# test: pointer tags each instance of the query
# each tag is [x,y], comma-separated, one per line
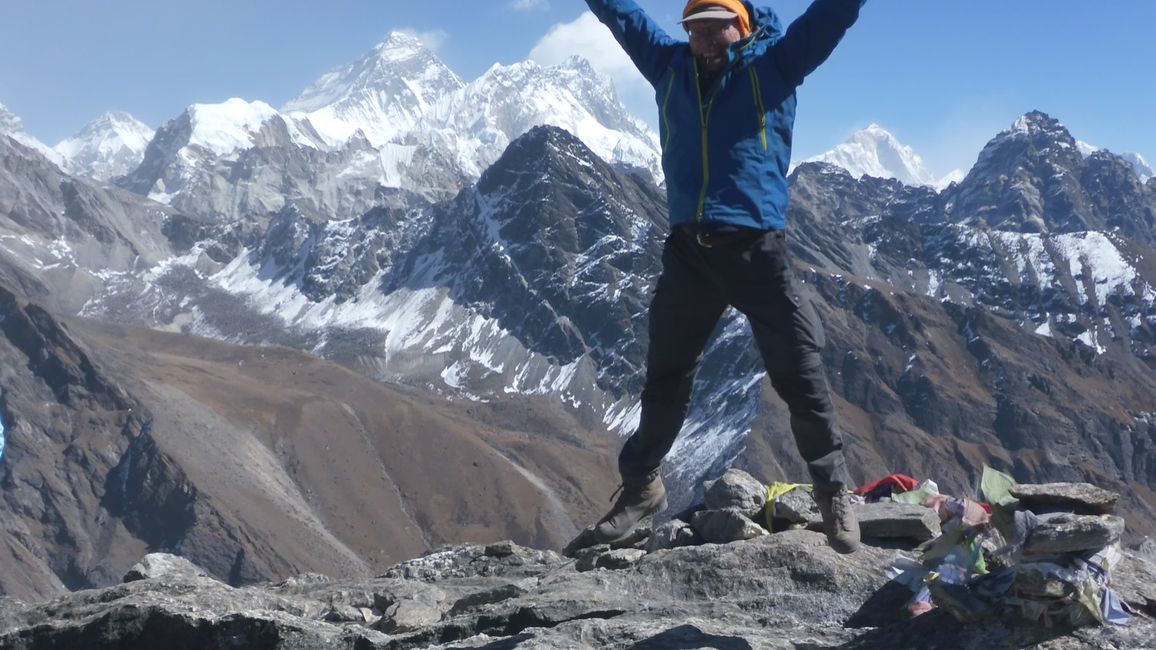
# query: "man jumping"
[726,103]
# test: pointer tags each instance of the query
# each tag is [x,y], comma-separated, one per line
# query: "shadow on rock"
[688,637]
[509,643]
[884,607]
[937,630]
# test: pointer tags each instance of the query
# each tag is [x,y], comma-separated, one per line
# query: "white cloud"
[526,5]
[590,39]
[432,39]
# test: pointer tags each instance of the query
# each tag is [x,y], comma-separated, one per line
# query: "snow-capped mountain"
[534,283]
[507,101]
[230,159]
[12,126]
[111,145]
[383,95]
[226,129]
[1143,169]
[1010,316]
[1032,177]
[401,94]
[396,120]
[874,151]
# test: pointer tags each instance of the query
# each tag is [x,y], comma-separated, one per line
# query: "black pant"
[753,274]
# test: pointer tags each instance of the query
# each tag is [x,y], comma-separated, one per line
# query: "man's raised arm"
[812,37]
[645,43]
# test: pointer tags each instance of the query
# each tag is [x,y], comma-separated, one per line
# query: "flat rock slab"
[1066,533]
[1083,498]
[897,521]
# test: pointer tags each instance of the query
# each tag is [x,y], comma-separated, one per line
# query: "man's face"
[710,38]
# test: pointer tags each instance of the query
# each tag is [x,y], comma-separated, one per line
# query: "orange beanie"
[734,5]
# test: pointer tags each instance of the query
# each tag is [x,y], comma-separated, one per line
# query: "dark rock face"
[85,484]
[1023,180]
[789,587]
[68,425]
[554,245]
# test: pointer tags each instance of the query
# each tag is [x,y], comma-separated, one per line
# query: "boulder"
[725,526]
[619,558]
[1146,549]
[797,507]
[164,565]
[672,534]
[736,490]
[586,559]
[406,607]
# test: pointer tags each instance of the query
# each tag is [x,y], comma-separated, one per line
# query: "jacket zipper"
[758,92]
[704,117]
[665,101]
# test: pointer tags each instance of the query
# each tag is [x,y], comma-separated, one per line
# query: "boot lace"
[839,508]
[617,492]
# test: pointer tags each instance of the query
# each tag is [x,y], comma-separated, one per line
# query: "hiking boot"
[839,520]
[638,498]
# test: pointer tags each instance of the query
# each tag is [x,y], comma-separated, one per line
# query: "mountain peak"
[384,93]
[579,63]
[1035,122]
[228,126]
[12,126]
[875,151]
[509,100]
[111,145]
[1035,134]
[1139,165]
[112,122]
[1041,128]
[541,146]
[10,122]
[400,46]
[116,118]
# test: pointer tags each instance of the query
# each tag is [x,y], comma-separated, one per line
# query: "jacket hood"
[767,30]
[766,20]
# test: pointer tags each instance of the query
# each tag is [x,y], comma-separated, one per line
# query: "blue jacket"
[725,152]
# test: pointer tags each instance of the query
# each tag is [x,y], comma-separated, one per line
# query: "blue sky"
[942,75]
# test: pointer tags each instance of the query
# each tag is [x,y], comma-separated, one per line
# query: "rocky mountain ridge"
[978,325]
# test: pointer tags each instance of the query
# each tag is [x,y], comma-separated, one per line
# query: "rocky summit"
[786,590]
[742,570]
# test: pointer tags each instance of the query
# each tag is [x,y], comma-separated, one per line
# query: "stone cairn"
[1038,554]
[735,508]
